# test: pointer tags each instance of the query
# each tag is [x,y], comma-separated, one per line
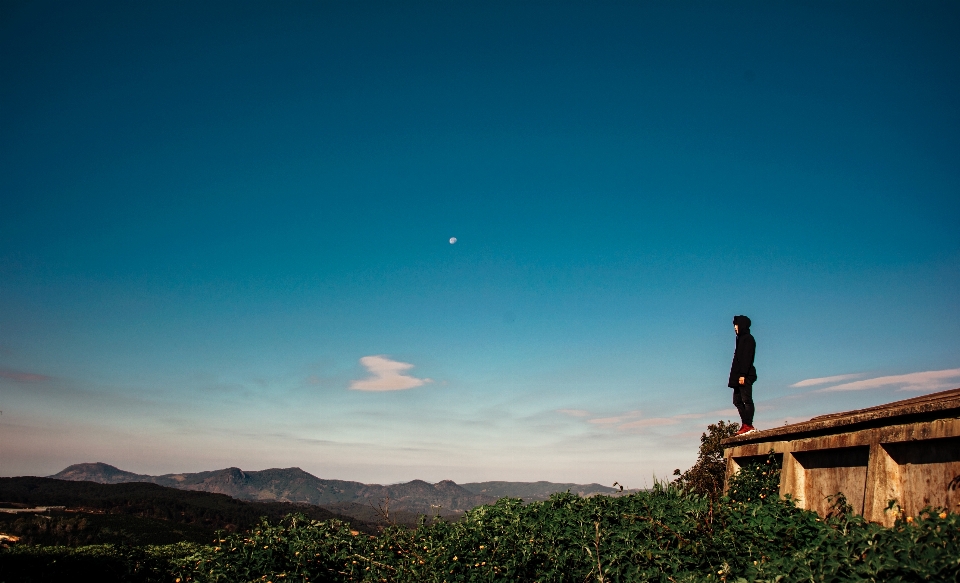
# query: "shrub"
[707,474]
[103,563]
[668,534]
[756,481]
[671,533]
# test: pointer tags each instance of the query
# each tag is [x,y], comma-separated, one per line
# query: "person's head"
[741,324]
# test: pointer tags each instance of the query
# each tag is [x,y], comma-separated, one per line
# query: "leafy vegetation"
[89,528]
[101,563]
[664,535]
[672,533]
[668,534]
[757,481]
[706,476]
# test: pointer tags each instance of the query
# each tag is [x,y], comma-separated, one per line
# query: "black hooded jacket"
[743,356]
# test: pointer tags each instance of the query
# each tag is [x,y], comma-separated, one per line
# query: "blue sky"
[225,230]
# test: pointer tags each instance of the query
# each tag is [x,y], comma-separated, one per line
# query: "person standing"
[743,374]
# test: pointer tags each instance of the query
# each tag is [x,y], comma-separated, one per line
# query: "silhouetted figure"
[743,374]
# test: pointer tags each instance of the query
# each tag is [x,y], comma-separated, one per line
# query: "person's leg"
[738,403]
[746,397]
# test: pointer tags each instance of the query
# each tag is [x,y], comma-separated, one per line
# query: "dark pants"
[743,400]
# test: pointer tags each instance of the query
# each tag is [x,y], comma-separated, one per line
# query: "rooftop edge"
[935,405]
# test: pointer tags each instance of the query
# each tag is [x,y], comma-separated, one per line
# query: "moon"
[453,240]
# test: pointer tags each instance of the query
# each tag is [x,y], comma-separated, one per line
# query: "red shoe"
[746,429]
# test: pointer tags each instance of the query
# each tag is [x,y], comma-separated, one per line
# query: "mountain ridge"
[298,486]
[293,485]
[85,512]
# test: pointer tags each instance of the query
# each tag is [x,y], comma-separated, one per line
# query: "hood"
[742,322]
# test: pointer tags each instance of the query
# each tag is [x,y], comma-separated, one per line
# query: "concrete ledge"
[907,451]
[928,407]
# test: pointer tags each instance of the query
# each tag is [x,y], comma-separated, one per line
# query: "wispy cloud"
[635,422]
[931,380]
[22,377]
[386,375]
[715,413]
[826,380]
[617,420]
[574,412]
[649,422]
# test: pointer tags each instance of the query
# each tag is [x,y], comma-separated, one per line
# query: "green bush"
[707,474]
[669,534]
[102,563]
[756,481]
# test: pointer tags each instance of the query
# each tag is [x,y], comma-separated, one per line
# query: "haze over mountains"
[352,498]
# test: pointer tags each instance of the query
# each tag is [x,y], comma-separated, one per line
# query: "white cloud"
[931,380]
[386,375]
[825,380]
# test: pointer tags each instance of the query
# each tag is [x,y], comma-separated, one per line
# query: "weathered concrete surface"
[908,451]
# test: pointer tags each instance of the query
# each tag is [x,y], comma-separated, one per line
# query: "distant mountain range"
[351,498]
[133,513]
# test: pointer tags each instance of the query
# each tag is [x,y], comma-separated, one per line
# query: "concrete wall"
[917,464]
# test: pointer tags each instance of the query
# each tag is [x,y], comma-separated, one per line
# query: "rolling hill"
[134,512]
[296,486]
[355,499]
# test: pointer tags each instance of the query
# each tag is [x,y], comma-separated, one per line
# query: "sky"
[226,230]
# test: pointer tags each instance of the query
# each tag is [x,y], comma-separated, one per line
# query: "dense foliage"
[669,534]
[101,563]
[707,474]
[757,481]
[664,535]
[90,528]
